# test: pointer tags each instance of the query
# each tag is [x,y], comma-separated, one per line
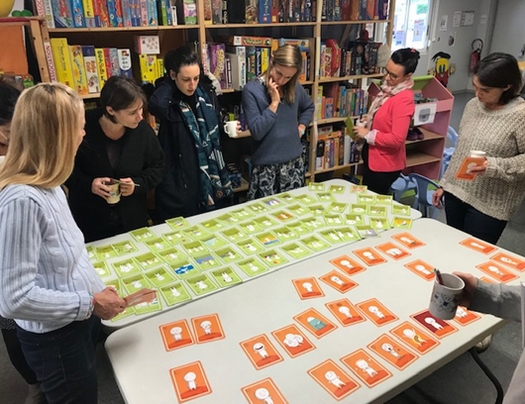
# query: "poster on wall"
[400,38]
[419,28]
[457,19]
[467,18]
[443,23]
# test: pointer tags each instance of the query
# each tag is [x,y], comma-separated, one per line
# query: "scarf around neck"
[385,93]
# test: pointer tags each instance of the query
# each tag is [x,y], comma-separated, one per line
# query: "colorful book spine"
[159,71]
[143,13]
[275,11]
[89,13]
[118,13]
[62,60]
[101,67]
[237,55]
[48,51]
[62,14]
[265,11]
[217,56]
[107,61]
[153,17]
[78,13]
[148,68]
[265,59]
[90,66]
[79,71]
[216,11]
[124,62]
[113,60]
[126,13]
[190,12]
[103,16]
[250,63]
[114,19]
[96,12]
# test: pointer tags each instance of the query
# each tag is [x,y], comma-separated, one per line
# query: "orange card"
[338,281]
[345,312]
[408,240]
[497,271]
[414,337]
[176,335]
[315,323]
[463,172]
[392,250]
[358,189]
[369,256]
[347,265]
[375,311]
[464,316]
[422,269]
[307,288]
[333,379]
[263,391]
[366,368]
[486,279]
[260,351]
[510,261]
[207,328]
[392,351]
[190,381]
[440,328]
[293,340]
[478,245]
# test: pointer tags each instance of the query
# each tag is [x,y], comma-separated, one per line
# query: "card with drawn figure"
[370,371]
[307,288]
[369,256]
[392,250]
[401,222]
[293,340]
[497,271]
[273,258]
[207,328]
[260,351]
[392,351]
[262,392]
[345,312]
[333,379]
[337,189]
[190,381]
[408,240]
[478,245]
[464,316]
[347,265]
[422,269]
[509,260]
[377,312]
[439,328]
[176,335]
[338,281]
[358,189]
[315,323]
[414,337]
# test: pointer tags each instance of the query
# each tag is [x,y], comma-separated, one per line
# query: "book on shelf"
[78,69]
[90,65]
[62,61]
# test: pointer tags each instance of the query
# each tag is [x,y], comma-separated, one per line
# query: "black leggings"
[17,356]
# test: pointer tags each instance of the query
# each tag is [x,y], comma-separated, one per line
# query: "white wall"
[509,27]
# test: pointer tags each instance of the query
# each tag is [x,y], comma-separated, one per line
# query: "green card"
[252,266]
[283,216]
[316,210]
[365,230]
[333,219]
[266,222]
[315,243]
[243,213]
[298,227]
[268,239]
[201,284]
[313,223]
[353,219]
[400,210]
[158,244]
[379,223]
[229,219]
[228,254]
[212,225]
[212,242]
[337,189]
[124,247]
[135,283]
[143,308]
[142,235]
[274,202]
[250,246]
[234,234]
[384,199]
[337,207]
[148,261]
[306,199]
[401,222]
[178,223]
[207,261]
[257,208]
[126,267]
[347,233]
[250,227]
[176,237]
[332,236]
[92,253]
[316,186]
[296,250]
[298,210]
[128,311]
[185,269]
[159,277]
[273,258]
[357,208]
[102,269]
[196,232]
[366,199]
[226,277]
[325,197]
[105,252]
[285,233]
[174,293]
[172,256]
[194,248]
[377,210]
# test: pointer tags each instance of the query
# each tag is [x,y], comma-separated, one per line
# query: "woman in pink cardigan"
[386,126]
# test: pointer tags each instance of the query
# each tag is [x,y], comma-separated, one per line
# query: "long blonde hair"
[44,137]
[288,56]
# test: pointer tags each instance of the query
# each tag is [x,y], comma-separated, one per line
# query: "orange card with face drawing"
[375,311]
[393,251]
[207,328]
[293,340]
[497,271]
[509,260]
[333,379]
[408,240]
[464,316]
[436,326]
[478,245]
[176,335]
[315,323]
[345,312]
[369,256]
[422,269]
[347,265]
[338,281]
[392,351]
[190,381]
[414,337]
[263,391]
[307,288]
[261,351]
[366,368]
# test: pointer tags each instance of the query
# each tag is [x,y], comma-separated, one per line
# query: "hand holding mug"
[99,187]
[127,186]
[471,283]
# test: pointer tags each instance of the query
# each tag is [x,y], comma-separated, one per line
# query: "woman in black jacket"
[119,145]
[195,179]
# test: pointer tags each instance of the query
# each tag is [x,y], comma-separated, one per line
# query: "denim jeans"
[64,361]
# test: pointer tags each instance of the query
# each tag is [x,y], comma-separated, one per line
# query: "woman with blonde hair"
[277,111]
[47,283]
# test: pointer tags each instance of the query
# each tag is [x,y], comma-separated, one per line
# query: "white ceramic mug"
[444,300]
[230,128]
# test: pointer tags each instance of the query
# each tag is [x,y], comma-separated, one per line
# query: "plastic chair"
[400,186]
[424,191]
[452,138]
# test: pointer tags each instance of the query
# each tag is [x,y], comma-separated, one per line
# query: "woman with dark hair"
[196,179]
[383,132]
[493,122]
[119,145]
[277,111]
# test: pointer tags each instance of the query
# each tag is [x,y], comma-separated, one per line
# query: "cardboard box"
[147,44]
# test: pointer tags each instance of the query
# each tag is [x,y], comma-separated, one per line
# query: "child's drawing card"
[226,277]
[201,284]
[465,316]
[478,245]
[366,231]
[366,368]
[392,250]
[176,335]
[298,210]
[414,337]
[337,189]
[392,351]
[273,258]
[337,207]
[358,208]
[439,328]
[366,199]
[408,240]
[315,322]
[250,246]
[174,294]
[333,379]
[229,254]
[274,202]
[252,266]
[379,223]
[307,288]
[509,260]
[358,189]
[338,281]
[296,251]
[377,210]
[401,222]
[347,265]
[268,239]
[316,187]
[263,391]
[325,197]
[345,312]
[293,340]
[207,328]
[497,271]
[260,351]
[190,381]
[354,219]
[369,256]
[422,269]
[333,219]
[313,222]
[306,199]
[400,210]
[315,243]
[376,312]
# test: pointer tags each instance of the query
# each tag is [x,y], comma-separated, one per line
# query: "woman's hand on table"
[107,304]
[471,283]
[99,187]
